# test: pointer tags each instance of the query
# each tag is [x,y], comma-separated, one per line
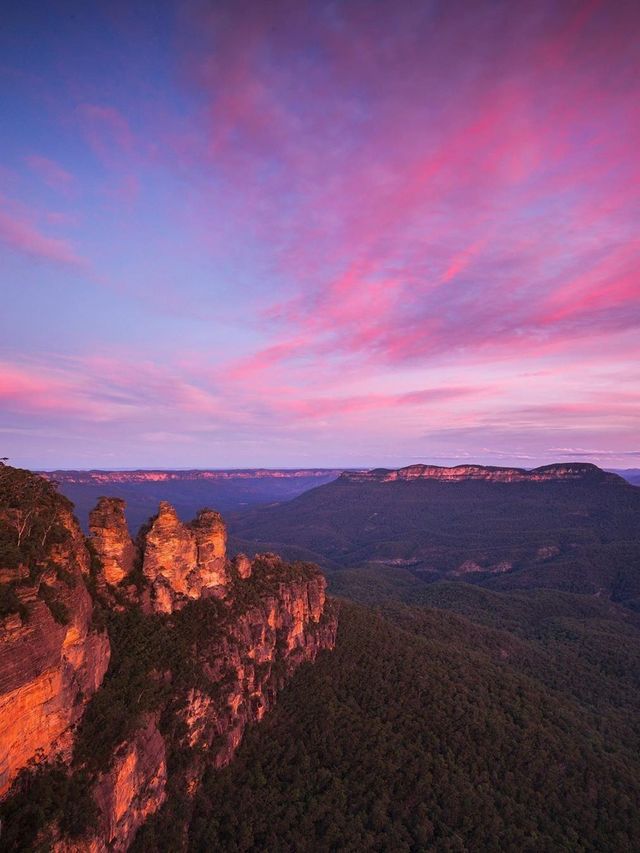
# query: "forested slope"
[579,535]
[425,731]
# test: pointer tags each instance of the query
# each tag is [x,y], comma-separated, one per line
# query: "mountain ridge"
[491,473]
[569,526]
[144,475]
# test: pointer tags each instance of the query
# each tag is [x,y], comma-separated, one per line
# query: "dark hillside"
[423,731]
[580,535]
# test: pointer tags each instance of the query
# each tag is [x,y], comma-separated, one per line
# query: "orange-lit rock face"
[243,566]
[272,619]
[260,650]
[111,539]
[211,542]
[182,561]
[48,671]
[243,669]
[133,788]
[170,559]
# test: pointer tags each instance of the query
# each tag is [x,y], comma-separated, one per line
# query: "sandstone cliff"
[52,656]
[199,647]
[221,664]
[111,540]
[183,561]
[489,473]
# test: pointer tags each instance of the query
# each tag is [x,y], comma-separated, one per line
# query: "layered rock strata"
[546,473]
[52,657]
[111,540]
[183,561]
[251,624]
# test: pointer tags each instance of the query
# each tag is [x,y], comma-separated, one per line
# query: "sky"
[348,233]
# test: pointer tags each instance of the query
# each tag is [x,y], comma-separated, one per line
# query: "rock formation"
[240,661]
[242,565]
[111,540]
[52,658]
[231,633]
[132,788]
[211,544]
[183,561]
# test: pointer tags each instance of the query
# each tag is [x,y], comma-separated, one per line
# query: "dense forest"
[452,716]
[580,536]
[423,730]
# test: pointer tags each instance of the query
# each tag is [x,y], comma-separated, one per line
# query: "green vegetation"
[426,738]
[29,523]
[58,609]
[29,527]
[152,659]
[10,602]
[42,797]
[580,536]
[499,714]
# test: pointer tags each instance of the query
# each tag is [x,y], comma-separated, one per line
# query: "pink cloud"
[23,236]
[479,186]
[52,173]
[107,131]
[32,391]
[323,407]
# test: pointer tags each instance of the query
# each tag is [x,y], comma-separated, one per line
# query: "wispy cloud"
[22,235]
[401,226]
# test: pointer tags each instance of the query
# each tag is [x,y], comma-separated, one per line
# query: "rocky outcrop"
[183,561]
[211,546]
[52,658]
[247,647]
[242,566]
[111,540]
[472,567]
[544,474]
[225,636]
[251,661]
[132,789]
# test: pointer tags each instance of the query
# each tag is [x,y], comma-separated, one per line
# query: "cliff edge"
[127,666]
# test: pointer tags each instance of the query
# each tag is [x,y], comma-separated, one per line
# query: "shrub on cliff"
[29,518]
[40,798]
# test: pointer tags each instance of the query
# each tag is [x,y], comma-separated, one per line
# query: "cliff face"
[183,561]
[241,651]
[111,539]
[52,658]
[546,473]
[108,477]
[180,562]
[133,788]
[200,646]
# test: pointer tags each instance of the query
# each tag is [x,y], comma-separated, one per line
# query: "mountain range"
[482,691]
[568,526]
[186,490]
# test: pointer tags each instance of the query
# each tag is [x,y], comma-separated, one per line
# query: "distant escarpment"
[187,491]
[568,526]
[546,473]
[145,476]
[127,666]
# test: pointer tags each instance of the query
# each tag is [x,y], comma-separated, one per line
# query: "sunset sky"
[319,233]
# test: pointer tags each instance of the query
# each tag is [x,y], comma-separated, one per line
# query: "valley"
[471,682]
